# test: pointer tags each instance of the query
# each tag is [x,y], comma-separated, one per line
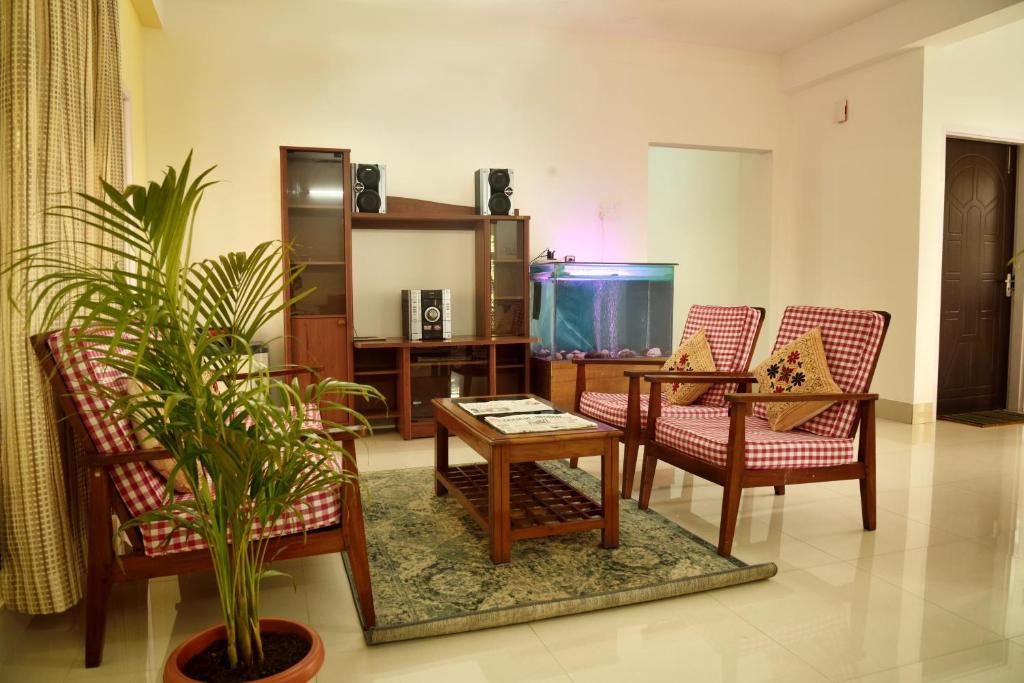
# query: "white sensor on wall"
[842,110]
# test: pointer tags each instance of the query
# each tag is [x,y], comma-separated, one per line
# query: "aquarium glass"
[601,310]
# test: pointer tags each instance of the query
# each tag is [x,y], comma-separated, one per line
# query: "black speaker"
[494,191]
[368,188]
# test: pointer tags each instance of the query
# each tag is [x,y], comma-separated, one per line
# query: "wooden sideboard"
[316,218]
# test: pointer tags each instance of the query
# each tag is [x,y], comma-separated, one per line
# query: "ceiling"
[760,25]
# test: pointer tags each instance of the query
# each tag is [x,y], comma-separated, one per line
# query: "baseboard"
[910,413]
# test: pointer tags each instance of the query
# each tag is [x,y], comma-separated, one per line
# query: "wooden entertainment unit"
[316,217]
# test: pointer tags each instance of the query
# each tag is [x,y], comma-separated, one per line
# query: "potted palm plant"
[247,446]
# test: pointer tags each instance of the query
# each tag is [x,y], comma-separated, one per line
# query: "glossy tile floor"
[936,593]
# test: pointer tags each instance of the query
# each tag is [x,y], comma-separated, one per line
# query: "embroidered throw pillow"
[693,355]
[148,441]
[797,368]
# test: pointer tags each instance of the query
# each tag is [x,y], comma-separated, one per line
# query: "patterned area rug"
[432,575]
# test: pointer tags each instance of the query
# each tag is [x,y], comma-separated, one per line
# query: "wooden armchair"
[120,482]
[732,333]
[742,451]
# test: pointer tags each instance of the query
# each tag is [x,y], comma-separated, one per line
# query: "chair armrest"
[696,377]
[281,372]
[636,360]
[797,398]
[142,455]
[581,371]
[351,433]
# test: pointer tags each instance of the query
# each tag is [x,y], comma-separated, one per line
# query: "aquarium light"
[583,270]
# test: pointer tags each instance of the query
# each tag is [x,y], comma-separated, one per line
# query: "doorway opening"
[710,211]
[979,225]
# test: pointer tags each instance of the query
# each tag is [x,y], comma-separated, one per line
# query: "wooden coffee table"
[512,497]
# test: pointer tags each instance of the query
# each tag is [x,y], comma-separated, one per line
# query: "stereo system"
[494,191]
[368,188]
[427,314]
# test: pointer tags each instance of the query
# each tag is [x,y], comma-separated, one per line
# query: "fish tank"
[601,310]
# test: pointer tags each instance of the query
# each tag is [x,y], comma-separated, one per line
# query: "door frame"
[1015,363]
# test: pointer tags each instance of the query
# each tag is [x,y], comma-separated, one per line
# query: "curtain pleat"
[60,130]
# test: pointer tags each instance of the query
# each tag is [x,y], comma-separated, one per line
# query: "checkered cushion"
[731,332]
[611,408]
[138,484]
[765,449]
[852,340]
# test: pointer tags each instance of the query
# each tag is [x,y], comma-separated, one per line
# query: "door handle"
[1009,284]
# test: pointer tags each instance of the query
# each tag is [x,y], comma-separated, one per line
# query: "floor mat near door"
[986,418]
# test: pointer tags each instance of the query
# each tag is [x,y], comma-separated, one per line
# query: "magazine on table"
[533,422]
[505,407]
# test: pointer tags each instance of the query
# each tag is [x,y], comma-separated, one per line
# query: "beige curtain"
[60,130]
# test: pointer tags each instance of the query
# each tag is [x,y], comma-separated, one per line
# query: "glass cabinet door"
[315,198]
[443,372]
[507,285]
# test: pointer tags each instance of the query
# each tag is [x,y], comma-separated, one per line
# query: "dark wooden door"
[974,334]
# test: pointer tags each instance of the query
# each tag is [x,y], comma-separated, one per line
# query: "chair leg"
[100,560]
[867,503]
[97,599]
[867,457]
[730,513]
[780,490]
[629,465]
[574,462]
[358,559]
[647,479]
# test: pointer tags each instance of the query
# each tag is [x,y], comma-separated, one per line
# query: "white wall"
[849,234]
[436,96]
[862,220]
[904,25]
[132,80]
[413,259]
[972,88]
[710,212]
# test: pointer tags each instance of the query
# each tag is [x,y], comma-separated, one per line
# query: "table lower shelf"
[540,504]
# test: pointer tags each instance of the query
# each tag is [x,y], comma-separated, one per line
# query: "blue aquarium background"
[601,310]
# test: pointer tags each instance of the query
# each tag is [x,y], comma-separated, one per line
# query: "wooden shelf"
[375,373]
[296,262]
[382,415]
[339,316]
[517,297]
[510,366]
[316,207]
[370,220]
[399,343]
[447,361]
[513,261]
[417,214]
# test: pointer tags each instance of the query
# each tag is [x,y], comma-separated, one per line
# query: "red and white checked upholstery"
[765,449]
[611,408]
[138,484]
[730,331]
[851,339]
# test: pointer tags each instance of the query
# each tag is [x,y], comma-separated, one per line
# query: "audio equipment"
[494,191]
[426,314]
[369,194]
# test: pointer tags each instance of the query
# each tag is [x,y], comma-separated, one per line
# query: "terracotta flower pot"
[303,670]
